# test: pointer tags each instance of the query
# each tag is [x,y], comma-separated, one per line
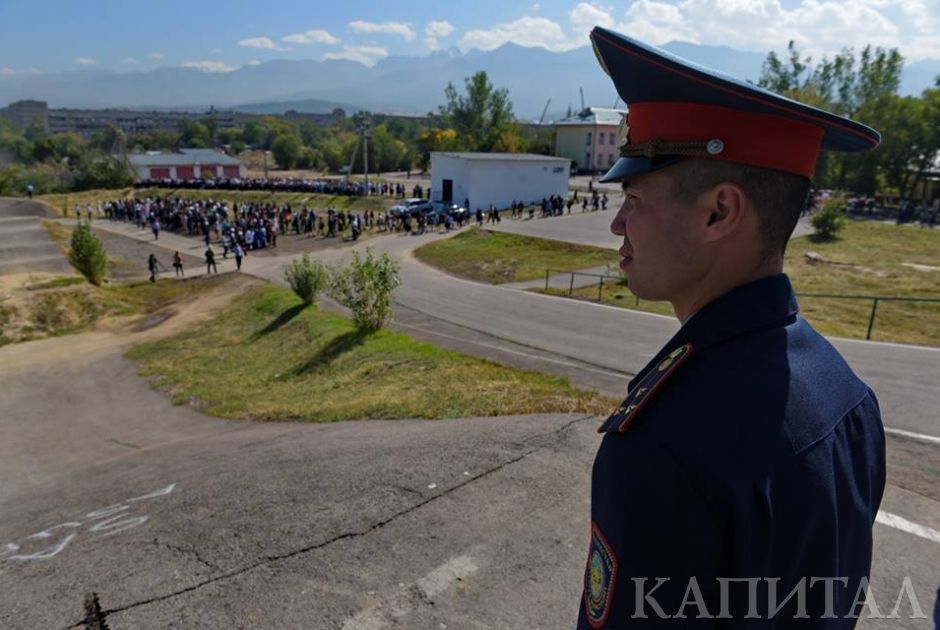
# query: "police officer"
[738,483]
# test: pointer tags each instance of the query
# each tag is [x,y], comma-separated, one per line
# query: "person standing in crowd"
[747,461]
[239,254]
[210,261]
[178,264]
[152,266]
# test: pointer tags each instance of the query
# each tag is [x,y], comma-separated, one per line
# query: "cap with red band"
[678,109]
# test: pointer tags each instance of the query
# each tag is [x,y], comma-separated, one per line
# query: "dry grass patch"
[868,259]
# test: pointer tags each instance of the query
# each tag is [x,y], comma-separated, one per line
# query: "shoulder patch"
[600,577]
[620,420]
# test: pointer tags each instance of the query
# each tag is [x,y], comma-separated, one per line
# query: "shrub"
[87,255]
[307,278]
[365,287]
[830,218]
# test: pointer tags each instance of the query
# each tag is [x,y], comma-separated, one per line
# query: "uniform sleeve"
[656,546]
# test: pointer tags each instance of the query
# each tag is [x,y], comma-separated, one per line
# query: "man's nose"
[618,225]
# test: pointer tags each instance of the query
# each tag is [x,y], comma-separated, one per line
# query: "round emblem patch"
[600,577]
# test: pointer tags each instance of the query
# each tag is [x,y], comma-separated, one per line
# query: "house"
[186,164]
[589,138]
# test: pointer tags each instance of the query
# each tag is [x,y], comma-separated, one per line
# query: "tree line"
[864,86]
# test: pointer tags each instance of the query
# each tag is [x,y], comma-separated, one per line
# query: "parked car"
[443,209]
[411,207]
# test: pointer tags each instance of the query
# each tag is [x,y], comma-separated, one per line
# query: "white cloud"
[389,28]
[129,60]
[526,31]
[253,62]
[818,27]
[155,56]
[439,28]
[258,42]
[434,30]
[311,37]
[85,61]
[215,51]
[366,55]
[208,66]
[7,72]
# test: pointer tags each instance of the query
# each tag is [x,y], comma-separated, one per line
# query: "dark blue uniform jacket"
[747,448]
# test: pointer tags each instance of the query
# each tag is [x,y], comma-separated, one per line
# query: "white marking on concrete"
[446,575]
[898,522]
[914,436]
[381,614]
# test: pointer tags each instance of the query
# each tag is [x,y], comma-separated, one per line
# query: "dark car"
[411,207]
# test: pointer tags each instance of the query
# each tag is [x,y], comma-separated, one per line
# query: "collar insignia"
[655,378]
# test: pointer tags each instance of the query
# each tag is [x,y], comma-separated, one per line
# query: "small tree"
[365,287]
[307,278]
[830,218]
[87,255]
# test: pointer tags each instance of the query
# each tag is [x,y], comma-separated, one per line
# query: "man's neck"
[719,281]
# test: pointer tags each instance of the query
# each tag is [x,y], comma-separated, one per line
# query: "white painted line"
[446,575]
[891,344]
[914,436]
[384,613]
[517,352]
[897,522]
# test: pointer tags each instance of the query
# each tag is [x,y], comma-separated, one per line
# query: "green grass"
[498,257]
[56,283]
[869,259]
[267,357]
[64,203]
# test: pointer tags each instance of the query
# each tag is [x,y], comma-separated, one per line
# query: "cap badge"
[623,133]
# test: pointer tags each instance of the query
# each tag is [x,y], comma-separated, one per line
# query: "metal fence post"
[547,272]
[600,288]
[871,320]
[571,285]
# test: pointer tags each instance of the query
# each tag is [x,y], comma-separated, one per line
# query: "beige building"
[589,138]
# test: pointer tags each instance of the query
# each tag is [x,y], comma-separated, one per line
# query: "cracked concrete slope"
[530,445]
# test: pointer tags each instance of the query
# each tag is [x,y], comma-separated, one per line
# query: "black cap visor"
[630,167]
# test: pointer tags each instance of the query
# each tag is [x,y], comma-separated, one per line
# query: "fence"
[603,278]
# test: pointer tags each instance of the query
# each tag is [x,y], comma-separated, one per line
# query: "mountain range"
[537,79]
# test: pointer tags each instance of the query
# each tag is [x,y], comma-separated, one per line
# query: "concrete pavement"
[178,519]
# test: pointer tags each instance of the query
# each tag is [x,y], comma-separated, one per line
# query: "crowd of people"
[326,186]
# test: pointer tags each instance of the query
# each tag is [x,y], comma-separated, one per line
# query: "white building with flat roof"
[496,178]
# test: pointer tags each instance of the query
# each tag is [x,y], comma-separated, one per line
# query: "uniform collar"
[759,305]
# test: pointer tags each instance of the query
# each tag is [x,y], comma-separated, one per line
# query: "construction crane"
[544,111]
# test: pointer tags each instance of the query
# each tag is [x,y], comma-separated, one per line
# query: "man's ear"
[726,207]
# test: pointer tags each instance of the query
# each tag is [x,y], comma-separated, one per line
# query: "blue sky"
[43,36]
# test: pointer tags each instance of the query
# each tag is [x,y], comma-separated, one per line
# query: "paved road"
[177,519]
[615,340]
[476,523]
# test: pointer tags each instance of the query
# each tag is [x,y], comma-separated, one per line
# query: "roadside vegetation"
[270,357]
[867,259]
[498,257]
[53,306]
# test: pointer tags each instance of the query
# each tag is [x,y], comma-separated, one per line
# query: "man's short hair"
[778,198]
